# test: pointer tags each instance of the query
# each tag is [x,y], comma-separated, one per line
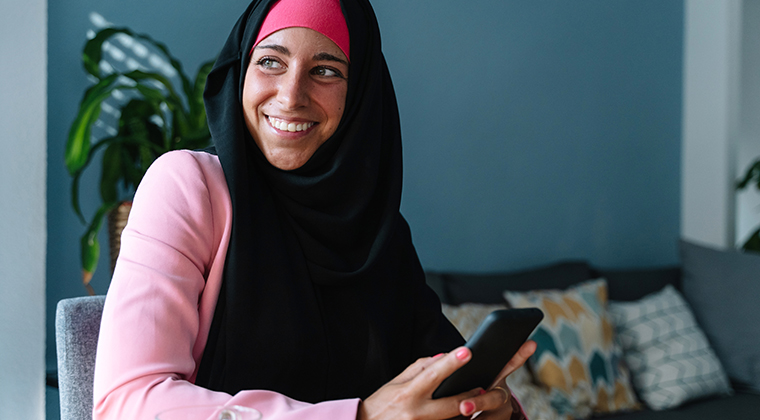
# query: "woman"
[275,271]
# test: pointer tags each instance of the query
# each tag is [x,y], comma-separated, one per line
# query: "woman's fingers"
[519,359]
[415,368]
[494,399]
[448,407]
[502,412]
[429,379]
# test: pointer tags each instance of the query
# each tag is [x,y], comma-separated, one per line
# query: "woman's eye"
[327,72]
[268,63]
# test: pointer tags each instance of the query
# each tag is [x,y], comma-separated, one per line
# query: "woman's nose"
[293,91]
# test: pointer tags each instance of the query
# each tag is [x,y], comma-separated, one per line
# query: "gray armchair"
[77,325]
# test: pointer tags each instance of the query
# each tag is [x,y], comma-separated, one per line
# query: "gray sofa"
[631,285]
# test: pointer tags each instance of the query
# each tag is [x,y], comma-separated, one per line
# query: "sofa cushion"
[723,288]
[533,398]
[669,357]
[577,358]
[488,288]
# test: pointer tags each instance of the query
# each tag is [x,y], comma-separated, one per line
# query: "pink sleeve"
[160,301]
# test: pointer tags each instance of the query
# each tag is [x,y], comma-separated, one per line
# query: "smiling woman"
[275,271]
[294,94]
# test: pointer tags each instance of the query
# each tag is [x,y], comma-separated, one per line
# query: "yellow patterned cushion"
[533,398]
[577,359]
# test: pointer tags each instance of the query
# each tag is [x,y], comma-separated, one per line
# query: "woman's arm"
[161,300]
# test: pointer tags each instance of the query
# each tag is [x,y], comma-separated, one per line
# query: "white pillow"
[667,353]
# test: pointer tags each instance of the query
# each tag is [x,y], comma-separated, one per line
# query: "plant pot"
[117,219]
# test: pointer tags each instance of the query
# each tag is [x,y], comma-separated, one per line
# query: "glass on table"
[209,412]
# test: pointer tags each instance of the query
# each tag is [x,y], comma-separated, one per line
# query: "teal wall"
[533,130]
[539,130]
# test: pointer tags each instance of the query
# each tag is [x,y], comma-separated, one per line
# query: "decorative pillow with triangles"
[578,359]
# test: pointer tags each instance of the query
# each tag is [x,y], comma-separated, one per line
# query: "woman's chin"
[288,162]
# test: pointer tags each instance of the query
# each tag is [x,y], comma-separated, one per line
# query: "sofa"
[719,288]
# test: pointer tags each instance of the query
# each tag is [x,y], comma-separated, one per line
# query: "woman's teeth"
[286,126]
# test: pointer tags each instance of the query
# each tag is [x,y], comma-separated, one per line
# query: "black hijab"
[323,296]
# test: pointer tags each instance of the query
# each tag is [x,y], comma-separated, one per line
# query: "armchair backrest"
[77,325]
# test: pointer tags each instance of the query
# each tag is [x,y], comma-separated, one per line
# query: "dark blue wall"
[539,130]
[533,130]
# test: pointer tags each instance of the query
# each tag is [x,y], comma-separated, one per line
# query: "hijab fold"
[323,296]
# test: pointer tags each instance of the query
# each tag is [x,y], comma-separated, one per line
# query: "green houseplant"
[155,119]
[751,177]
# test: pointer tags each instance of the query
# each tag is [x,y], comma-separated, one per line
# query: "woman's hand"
[409,395]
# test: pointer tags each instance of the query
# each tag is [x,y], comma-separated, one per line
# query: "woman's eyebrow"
[279,48]
[323,56]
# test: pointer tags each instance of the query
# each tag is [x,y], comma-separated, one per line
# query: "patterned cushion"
[577,358]
[534,399]
[668,354]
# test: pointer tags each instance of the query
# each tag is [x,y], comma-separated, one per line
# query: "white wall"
[712,61]
[748,147]
[23,104]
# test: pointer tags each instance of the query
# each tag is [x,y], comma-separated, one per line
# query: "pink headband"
[323,16]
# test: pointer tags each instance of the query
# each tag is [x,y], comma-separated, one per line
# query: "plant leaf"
[753,172]
[90,246]
[753,243]
[172,100]
[93,52]
[93,49]
[75,196]
[78,143]
[111,172]
[78,174]
[195,99]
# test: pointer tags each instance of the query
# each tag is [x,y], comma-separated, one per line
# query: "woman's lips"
[292,127]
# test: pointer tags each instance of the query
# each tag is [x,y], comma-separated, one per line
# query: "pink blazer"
[161,300]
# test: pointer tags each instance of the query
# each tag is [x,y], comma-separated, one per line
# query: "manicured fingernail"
[462,354]
[437,355]
[482,391]
[469,408]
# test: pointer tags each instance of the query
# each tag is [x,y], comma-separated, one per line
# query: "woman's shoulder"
[186,164]
[185,178]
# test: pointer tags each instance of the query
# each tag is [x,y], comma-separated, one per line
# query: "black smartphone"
[495,341]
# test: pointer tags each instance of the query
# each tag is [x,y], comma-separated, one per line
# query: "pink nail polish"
[437,355]
[469,408]
[482,391]
[462,354]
